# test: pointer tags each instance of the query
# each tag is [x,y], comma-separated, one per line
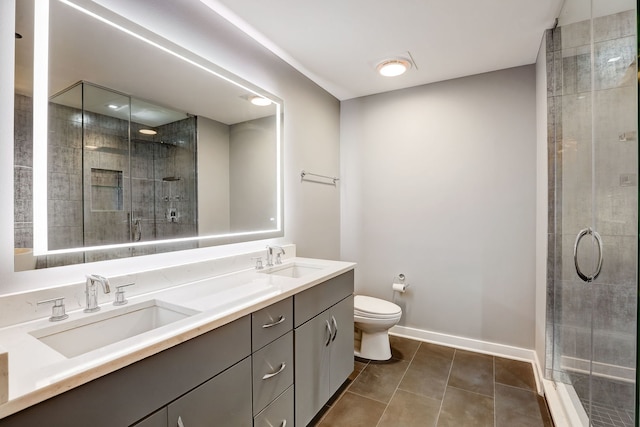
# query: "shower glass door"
[594,204]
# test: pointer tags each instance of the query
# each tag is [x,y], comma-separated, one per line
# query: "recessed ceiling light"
[393,67]
[148,132]
[259,101]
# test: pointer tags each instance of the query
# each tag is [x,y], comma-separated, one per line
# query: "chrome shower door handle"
[596,236]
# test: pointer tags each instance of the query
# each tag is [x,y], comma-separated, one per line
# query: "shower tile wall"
[176,176]
[110,137]
[593,126]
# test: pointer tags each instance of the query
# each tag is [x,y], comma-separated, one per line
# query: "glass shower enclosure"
[592,288]
[120,170]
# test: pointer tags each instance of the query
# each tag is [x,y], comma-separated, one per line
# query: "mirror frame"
[40,126]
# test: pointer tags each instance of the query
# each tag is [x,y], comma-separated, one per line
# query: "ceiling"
[338,43]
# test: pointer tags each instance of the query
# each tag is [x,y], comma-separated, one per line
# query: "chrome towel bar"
[303,176]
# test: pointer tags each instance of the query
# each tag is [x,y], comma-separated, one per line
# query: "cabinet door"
[342,343]
[223,400]
[312,358]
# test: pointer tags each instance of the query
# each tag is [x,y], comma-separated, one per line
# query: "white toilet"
[373,318]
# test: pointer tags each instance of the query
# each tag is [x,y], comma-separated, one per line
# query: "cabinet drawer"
[315,300]
[226,396]
[272,371]
[270,323]
[279,413]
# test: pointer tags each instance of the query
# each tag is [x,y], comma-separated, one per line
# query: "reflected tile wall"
[109,136]
[23,172]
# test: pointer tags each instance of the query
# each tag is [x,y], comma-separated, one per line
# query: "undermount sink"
[295,270]
[95,331]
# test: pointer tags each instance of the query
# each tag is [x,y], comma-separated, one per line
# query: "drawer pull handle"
[277,322]
[284,423]
[330,334]
[180,424]
[335,328]
[273,374]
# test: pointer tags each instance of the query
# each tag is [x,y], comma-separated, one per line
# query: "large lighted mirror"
[127,144]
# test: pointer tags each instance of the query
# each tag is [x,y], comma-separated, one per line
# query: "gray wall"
[311,138]
[213,177]
[252,180]
[439,184]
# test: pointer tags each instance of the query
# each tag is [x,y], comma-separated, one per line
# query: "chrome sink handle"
[57,311]
[121,299]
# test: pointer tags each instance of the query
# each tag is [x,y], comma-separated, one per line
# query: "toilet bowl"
[373,318]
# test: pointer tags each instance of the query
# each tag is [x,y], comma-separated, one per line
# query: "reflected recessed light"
[148,132]
[112,106]
[615,59]
[259,101]
[393,67]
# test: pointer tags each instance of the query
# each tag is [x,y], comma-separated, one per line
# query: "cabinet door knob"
[335,328]
[273,374]
[330,334]
[277,322]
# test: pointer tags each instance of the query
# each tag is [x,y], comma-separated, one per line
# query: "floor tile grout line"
[367,397]
[472,392]
[446,384]
[398,386]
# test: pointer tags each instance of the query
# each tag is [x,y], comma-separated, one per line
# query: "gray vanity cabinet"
[129,395]
[323,344]
[281,363]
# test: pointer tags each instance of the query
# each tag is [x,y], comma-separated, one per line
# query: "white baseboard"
[494,349]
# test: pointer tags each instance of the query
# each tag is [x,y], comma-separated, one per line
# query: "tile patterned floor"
[430,385]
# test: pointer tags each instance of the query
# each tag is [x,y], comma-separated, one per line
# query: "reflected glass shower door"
[593,232]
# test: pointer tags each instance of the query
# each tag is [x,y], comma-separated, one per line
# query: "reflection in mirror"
[146,149]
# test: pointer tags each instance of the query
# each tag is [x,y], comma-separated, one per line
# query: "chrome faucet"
[280,251]
[92,291]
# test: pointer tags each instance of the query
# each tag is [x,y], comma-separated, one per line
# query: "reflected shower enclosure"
[120,170]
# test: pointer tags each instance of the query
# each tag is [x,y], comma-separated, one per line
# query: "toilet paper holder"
[399,284]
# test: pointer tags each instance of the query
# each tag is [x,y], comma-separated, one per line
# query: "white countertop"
[37,372]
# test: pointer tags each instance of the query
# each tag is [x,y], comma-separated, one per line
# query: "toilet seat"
[365,306]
